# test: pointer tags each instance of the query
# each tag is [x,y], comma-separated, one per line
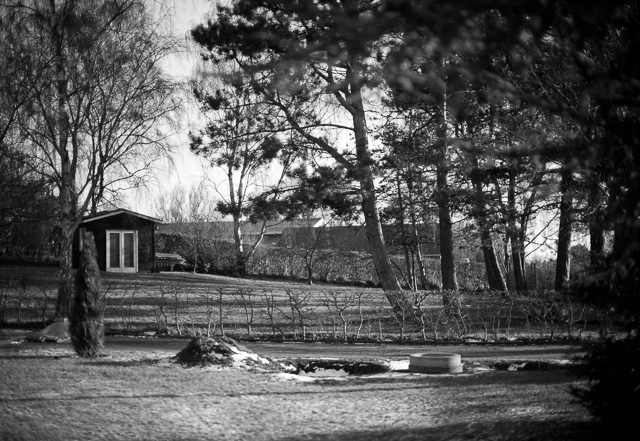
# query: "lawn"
[49,393]
[179,303]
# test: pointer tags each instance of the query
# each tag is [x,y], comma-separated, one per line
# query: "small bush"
[86,325]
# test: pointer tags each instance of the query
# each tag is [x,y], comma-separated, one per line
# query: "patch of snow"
[473,340]
[321,372]
[283,376]
[479,369]
[241,356]
[516,367]
[240,360]
[398,365]
[288,367]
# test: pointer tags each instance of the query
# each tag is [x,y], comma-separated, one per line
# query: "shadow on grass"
[508,429]
[36,357]
[470,379]
[39,399]
[120,363]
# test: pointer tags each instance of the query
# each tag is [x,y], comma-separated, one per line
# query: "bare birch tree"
[99,105]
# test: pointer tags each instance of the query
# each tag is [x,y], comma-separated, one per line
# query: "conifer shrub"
[86,324]
[612,366]
[612,371]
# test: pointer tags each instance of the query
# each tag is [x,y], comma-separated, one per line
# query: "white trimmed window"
[122,251]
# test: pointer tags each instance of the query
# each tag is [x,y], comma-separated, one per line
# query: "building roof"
[119,211]
[273,228]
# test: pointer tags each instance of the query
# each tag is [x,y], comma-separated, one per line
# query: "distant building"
[349,238]
[125,241]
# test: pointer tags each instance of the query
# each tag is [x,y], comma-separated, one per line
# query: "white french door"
[122,251]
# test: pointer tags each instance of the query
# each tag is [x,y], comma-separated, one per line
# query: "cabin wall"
[146,239]
[146,249]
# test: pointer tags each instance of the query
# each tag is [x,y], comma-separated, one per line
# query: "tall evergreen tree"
[311,61]
[86,324]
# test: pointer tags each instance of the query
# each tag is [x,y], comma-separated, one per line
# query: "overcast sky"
[182,168]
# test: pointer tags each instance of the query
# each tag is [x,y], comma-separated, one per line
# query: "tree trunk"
[309,273]
[517,255]
[373,227]
[495,277]
[241,265]
[596,227]
[66,201]
[405,245]
[65,282]
[596,244]
[195,256]
[518,265]
[563,258]
[447,260]
[375,237]
[423,272]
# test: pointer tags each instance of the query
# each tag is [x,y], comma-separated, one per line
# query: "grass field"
[184,304]
[188,304]
[49,393]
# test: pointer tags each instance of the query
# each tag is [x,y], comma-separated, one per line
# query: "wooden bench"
[169,259]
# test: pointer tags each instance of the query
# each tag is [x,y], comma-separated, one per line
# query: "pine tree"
[86,325]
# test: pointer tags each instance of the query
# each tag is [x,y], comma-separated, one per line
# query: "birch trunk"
[65,286]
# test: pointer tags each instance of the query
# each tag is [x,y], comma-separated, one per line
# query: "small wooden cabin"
[125,241]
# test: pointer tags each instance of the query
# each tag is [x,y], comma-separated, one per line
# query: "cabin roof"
[106,214]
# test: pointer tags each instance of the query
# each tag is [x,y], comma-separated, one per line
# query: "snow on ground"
[324,373]
[399,368]
[239,357]
[399,365]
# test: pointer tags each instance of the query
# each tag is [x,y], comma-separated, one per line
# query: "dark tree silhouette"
[86,325]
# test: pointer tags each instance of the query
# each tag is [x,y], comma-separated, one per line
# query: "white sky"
[183,168]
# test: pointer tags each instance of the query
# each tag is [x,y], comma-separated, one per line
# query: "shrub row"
[343,267]
[326,314]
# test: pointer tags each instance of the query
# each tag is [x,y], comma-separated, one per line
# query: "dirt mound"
[56,332]
[221,351]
